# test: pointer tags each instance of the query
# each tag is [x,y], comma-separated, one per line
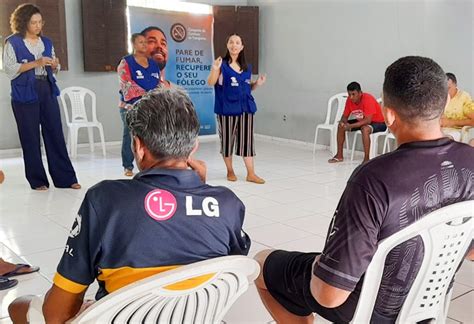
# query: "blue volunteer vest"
[234,96]
[23,86]
[147,78]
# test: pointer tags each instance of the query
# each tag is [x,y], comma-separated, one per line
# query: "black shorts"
[376,127]
[287,276]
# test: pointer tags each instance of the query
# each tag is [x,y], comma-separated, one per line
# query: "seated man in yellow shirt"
[459,112]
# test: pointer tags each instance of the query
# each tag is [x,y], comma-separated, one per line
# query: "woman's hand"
[44,61]
[216,65]
[261,80]
[55,64]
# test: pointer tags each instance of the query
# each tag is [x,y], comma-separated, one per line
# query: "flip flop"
[6,283]
[17,272]
[335,160]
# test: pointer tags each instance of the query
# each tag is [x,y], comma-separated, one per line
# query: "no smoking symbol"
[178,32]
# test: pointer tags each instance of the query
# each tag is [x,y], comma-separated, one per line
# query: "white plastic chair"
[374,140]
[79,119]
[331,125]
[446,234]
[386,144]
[152,300]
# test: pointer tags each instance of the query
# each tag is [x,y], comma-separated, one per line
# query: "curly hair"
[21,16]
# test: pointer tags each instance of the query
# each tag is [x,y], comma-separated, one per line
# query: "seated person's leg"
[274,306]
[366,131]
[341,137]
[19,309]
[284,286]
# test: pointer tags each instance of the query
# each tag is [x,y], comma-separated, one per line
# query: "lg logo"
[161,205]
[210,207]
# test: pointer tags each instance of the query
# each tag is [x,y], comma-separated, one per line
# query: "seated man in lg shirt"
[427,171]
[165,217]
[365,115]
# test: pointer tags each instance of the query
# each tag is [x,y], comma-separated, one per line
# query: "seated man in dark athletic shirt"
[426,172]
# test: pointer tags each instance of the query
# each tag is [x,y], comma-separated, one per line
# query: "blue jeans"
[127,155]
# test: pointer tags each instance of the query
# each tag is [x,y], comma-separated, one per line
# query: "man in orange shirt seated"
[366,116]
[165,217]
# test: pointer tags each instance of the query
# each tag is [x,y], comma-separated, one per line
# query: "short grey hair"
[166,121]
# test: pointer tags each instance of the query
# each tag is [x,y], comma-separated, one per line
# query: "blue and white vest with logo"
[23,86]
[147,78]
[233,97]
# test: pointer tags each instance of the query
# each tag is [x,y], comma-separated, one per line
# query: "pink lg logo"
[160,204]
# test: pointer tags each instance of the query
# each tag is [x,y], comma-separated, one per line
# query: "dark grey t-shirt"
[384,196]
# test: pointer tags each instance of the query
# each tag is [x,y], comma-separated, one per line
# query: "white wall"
[311,50]
[104,84]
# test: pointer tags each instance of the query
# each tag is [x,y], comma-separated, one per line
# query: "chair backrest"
[77,98]
[340,101]
[446,234]
[152,300]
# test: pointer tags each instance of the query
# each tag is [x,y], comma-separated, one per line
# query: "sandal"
[255,179]
[6,283]
[17,271]
[335,160]
[76,186]
[231,177]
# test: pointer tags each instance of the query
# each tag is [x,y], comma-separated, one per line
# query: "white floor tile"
[312,243]
[248,309]
[281,213]
[316,205]
[459,289]
[46,260]
[461,309]
[465,275]
[252,220]
[316,224]
[274,234]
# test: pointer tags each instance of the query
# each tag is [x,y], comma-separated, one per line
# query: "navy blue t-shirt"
[127,230]
[384,196]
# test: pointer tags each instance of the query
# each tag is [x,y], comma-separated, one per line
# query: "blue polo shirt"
[127,230]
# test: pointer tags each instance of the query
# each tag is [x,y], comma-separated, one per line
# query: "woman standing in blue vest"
[137,74]
[235,106]
[29,62]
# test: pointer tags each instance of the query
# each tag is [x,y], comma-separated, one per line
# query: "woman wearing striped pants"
[235,106]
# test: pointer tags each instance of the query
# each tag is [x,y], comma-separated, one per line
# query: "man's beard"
[161,65]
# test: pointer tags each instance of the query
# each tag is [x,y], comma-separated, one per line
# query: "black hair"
[135,36]
[241,58]
[354,86]
[416,88]
[150,28]
[452,77]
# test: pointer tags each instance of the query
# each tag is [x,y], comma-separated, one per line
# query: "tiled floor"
[291,211]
